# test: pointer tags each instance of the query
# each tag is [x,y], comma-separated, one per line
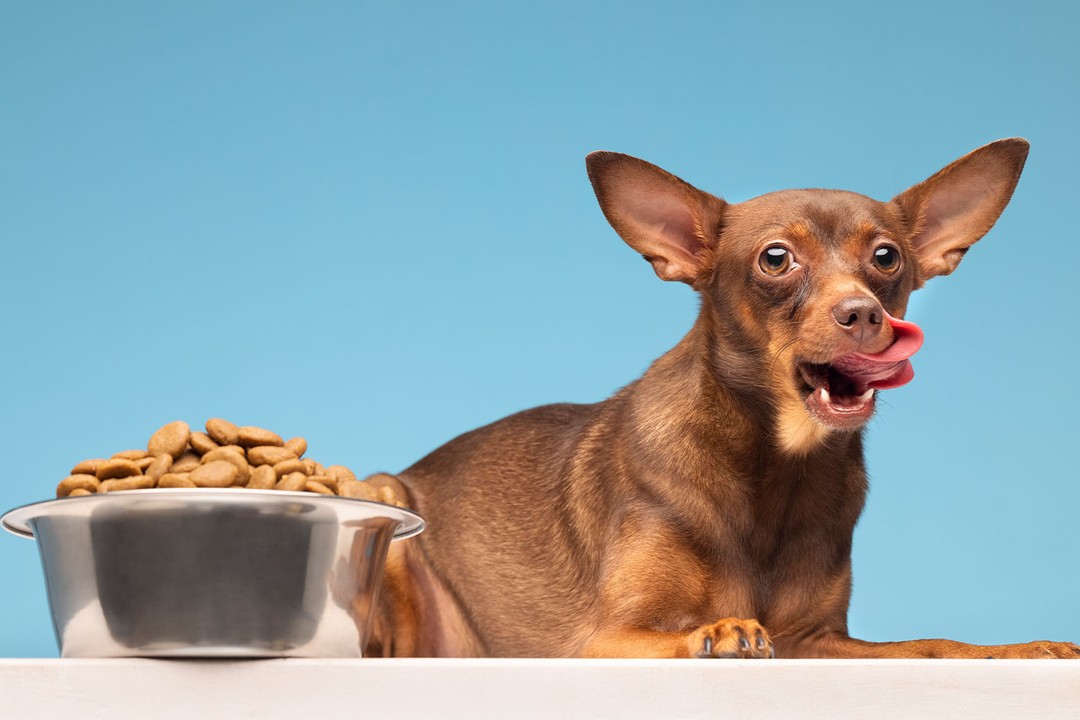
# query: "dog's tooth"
[865,397]
[825,396]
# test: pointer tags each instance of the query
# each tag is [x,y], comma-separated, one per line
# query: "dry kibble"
[340,472]
[87,467]
[171,438]
[202,443]
[317,487]
[326,480]
[251,436]
[223,432]
[262,478]
[117,468]
[215,474]
[187,462]
[358,490]
[293,482]
[176,480]
[269,455]
[291,465]
[298,445]
[243,469]
[226,455]
[159,466]
[222,453]
[87,483]
[140,482]
[131,454]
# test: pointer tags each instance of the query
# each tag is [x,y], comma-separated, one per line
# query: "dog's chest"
[796,546]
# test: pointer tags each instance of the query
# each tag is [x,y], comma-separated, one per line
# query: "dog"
[707,509]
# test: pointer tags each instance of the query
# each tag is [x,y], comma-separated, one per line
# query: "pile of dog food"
[226,455]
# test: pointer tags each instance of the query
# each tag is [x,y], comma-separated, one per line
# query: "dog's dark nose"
[859,315]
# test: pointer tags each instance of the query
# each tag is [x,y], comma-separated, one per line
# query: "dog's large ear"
[951,210]
[671,223]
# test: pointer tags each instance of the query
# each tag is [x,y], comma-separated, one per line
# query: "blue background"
[369,224]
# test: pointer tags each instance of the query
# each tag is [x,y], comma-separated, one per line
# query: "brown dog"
[707,509]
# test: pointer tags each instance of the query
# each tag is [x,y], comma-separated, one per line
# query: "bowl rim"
[16,520]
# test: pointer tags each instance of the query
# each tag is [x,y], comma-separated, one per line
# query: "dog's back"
[489,489]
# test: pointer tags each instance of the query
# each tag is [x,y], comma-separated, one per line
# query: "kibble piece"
[171,438]
[243,469]
[309,466]
[251,436]
[71,483]
[140,482]
[319,469]
[222,431]
[187,462]
[175,480]
[293,482]
[202,443]
[215,474]
[221,453]
[117,468]
[357,490]
[235,449]
[298,445]
[326,480]
[78,492]
[317,487]
[386,495]
[285,467]
[87,467]
[159,466]
[146,462]
[340,472]
[131,454]
[269,455]
[262,478]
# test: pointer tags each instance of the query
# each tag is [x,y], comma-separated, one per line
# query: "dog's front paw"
[731,638]
[1038,650]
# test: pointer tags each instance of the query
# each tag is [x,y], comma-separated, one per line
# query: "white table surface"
[475,689]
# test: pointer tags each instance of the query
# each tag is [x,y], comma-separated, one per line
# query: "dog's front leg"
[655,592]
[727,638]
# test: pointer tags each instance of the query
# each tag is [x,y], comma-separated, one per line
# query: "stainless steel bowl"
[212,573]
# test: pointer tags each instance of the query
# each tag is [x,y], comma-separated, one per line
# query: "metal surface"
[212,573]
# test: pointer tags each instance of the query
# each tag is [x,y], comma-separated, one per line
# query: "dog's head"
[804,289]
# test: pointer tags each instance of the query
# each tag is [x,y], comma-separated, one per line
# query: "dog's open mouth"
[840,393]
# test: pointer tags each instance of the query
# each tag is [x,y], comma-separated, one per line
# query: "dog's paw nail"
[744,644]
[760,641]
[708,648]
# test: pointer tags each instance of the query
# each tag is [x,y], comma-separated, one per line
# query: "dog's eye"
[775,260]
[887,259]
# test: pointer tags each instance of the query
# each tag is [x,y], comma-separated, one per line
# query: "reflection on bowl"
[212,572]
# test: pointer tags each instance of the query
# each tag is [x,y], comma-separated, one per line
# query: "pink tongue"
[889,368]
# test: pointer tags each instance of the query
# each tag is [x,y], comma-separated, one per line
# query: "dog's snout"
[859,314]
